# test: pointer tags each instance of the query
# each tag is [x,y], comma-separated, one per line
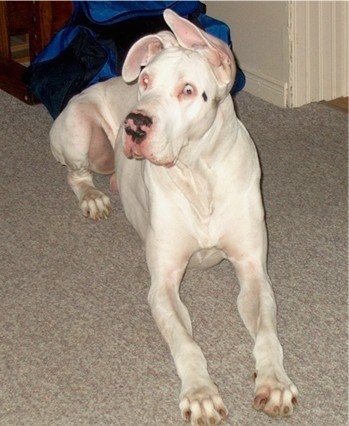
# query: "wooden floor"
[340,103]
[20,49]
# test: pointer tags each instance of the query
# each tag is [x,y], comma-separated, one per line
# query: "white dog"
[189,180]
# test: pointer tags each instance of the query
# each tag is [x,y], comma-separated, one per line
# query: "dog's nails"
[286,410]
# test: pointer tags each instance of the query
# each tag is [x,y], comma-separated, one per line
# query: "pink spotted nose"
[137,125]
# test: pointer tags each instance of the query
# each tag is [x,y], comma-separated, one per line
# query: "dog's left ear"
[217,52]
[143,50]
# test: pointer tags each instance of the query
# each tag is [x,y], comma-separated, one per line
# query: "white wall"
[260,41]
[292,52]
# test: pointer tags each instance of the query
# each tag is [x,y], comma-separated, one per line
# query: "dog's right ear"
[218,54]
[143,51]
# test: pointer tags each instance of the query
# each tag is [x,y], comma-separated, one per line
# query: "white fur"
[192,192]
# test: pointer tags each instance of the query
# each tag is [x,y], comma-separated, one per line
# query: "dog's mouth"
[143,151]
[168,164]
[136,155]
[134,151]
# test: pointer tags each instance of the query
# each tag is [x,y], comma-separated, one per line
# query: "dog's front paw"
[276,397]
[95,205]
[203,406]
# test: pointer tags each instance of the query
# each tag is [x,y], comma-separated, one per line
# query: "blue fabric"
[216,28]
[62,40]
[111,12]
[84,52]
[72,61]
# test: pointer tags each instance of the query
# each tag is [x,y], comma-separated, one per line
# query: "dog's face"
[184,78]
[177,86]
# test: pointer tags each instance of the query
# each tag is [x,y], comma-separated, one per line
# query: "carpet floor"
[78,345]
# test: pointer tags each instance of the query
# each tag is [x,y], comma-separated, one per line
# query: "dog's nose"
[139,119]
[136,125]
[137,136]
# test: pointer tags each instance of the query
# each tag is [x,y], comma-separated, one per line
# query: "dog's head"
[182,79]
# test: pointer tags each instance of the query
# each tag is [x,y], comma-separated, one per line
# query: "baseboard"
[266,87]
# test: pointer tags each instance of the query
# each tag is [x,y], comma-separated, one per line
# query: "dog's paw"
[203,406]
[95,205]
[276,397]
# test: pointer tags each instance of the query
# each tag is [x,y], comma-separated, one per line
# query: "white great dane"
[189,180]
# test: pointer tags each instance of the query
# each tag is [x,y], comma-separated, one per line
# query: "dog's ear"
[217,52]
[143,50]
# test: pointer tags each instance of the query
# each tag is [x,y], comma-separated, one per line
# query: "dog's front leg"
[275,394]
[82,145]
[200,402]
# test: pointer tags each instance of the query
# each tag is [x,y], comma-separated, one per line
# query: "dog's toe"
[276,398]
[203,406]
[95,205]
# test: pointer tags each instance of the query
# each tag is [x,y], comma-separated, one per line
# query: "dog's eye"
[188,90]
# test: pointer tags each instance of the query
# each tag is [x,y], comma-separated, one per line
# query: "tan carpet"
[78,344]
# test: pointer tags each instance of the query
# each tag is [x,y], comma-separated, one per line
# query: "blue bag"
[94,43]
[111,12]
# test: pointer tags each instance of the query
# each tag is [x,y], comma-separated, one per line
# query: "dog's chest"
[198,201]
[196,186]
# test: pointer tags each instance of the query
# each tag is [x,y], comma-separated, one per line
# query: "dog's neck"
[195,171]
[196,186]
[216,144]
